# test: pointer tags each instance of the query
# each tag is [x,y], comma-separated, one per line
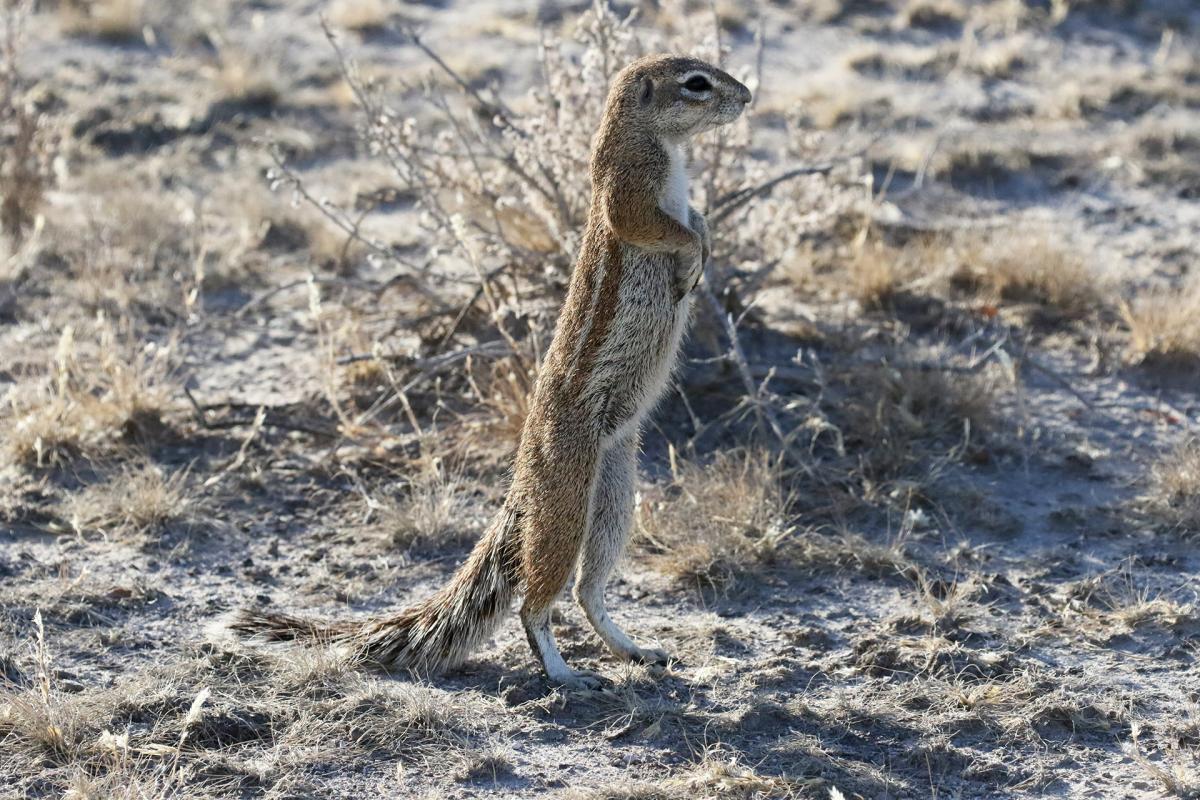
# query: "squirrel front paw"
[699,224]
[689,267]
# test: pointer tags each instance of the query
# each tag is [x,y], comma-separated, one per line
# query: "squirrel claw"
[651,656]
[579,680]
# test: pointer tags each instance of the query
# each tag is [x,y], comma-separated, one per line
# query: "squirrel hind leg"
[608,534]
[537,628]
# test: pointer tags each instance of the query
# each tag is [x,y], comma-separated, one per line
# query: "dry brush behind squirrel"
[570,506]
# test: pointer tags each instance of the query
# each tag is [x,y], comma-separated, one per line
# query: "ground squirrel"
[570,506]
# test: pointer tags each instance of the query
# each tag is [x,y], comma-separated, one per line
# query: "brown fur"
[615,343]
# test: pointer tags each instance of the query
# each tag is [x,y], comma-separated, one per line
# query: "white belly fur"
[675,194]
[642,346]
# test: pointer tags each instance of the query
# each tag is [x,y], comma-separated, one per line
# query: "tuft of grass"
[942,605]
[1174,488]
[109,20]
[39,717]
[718,775]
[1177,769]
[931,14]
[898,417]
[1164,328]
[718,520]
[137,499]
[26,146]
[247,78]
[430,511]
[93,397]
[1030,270]
[879,272]
[361,16]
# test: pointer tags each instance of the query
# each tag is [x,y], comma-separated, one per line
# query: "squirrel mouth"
[729,112]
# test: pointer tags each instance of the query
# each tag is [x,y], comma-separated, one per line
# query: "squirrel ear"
[647,93]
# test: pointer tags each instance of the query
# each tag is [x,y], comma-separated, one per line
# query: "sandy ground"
[1005,614]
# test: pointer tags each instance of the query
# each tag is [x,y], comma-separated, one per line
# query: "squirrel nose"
[744,95]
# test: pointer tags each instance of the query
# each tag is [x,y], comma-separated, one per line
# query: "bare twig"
[738,357]
[434,363]
[272,418]
[498,110]
[728,203]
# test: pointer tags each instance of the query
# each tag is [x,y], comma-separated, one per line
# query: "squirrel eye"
[697,83]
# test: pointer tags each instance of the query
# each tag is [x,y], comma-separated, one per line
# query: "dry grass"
[1026,272]
[40,719]
[110,20]
[717,521]
[26,146]
[431,511]
[246,77]
[95,395]
[1113,604]
[1028,269]
[853,101]
[504,390]
[236,718]
[851,551]
[899,417]
[133,255]
[1164,328]
[717,775]
[1176,769]
[361,16]
[1174,488]
[931,14]
[878,272]
[137,499]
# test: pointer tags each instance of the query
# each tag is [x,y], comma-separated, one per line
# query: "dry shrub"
[718,520]
[1174,493]
[879,271]
[504,390]
[247,77]
[362,16]
[26,145]
[1027,269]
[503,190]
[111,20]
[1164,328]
[897,419]
[95,394]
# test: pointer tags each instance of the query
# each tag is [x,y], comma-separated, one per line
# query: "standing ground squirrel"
[570,506]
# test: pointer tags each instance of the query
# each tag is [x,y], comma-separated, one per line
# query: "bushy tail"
[434,634]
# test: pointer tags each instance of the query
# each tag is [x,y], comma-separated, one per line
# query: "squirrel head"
[677,97]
